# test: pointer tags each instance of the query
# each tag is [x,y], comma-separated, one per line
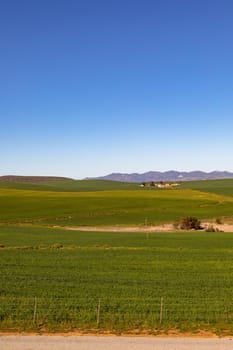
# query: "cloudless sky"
[90,87]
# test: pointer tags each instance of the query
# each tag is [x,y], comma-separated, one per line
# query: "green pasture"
[52,279]
[71,186]
[119,207]
[224,187]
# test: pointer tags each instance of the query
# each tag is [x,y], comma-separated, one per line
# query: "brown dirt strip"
[157,228]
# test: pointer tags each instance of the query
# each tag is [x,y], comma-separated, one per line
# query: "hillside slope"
[71,185]
[32,179]
[224,187]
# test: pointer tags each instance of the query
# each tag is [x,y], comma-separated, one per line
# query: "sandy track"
[114,343]
[165,227]
[157,228]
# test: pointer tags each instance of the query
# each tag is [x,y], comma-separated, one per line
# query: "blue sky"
[90,87]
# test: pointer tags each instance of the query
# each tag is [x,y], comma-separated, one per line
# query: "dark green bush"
[190,223]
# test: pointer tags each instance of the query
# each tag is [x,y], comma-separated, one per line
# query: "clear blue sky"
[90,87]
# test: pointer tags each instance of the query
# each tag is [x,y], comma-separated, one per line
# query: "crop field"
[57,280]
[224,187]
[71,185]
[109,207]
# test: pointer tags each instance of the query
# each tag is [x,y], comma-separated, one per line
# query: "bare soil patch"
[115,228]
[158,228]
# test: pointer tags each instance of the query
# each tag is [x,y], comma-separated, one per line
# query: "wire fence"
[110,313]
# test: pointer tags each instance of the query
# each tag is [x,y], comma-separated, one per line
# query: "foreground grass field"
[55,279]
[62,280]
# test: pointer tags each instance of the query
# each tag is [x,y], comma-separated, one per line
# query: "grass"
[53,279]
[224,187]
[120,207]
[127,272]
[71,186]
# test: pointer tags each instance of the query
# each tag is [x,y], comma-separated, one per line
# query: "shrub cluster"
[189,223]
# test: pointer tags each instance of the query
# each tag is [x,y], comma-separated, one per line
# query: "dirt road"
[156,228]
[114,343]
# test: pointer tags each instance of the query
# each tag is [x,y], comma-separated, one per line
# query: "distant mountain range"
[155,176]
[171,175]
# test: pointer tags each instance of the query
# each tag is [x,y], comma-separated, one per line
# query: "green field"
[44,287]
[55,279]
[224,187]
[107,203]
[71,186]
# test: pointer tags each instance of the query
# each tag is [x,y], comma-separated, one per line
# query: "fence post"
[161,311]
[227,313]
[98,314]
[35,310]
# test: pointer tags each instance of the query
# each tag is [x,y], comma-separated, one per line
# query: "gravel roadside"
[20,342]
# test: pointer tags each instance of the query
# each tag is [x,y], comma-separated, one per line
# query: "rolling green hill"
[119,207]
[99,202]
[224,187]
[71,185]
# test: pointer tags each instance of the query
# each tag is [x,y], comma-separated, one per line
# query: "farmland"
[71,185]
[55,279]
[107,204]
[69,275]
[224,187]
